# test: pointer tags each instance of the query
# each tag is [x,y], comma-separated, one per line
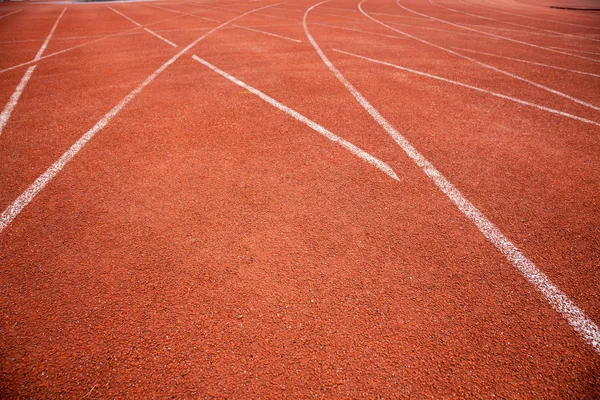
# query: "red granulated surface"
[205,244]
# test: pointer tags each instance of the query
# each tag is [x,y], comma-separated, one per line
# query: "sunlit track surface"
[264,199]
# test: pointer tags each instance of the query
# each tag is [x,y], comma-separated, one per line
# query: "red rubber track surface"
[205,244]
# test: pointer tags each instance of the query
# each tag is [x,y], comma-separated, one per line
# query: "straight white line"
[359,30]
[150,31]
[14,98]
[10,13]
[557,299]
[167,41]
[341,9]
[398,23]
[399,16]
[272,16]
[527,16]
[313,125]
[465,85]
[501,71]
[268,33]
[125,16]
[289,9]
[125,32]
[28,195]
[238,26]
[512,23]
[529,62]
[519,31]
[576,51]
[491,34]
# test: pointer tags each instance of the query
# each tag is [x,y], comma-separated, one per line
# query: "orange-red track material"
[245,226]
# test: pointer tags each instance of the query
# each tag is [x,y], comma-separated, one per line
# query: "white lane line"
[501,71]
[122,33]
[383,167]
[289,9]
[359,30]
[341,9]
[167,41]
[529,62]
[512,23]
[557,299]
[237,26]
[576,51]
[491,34]
[150,31]
[268,33]
[459,48]
[478,89]
[527,16]
[29,194]
[10,13]
[14,98]
[397,23]
[125,16]
[519,31]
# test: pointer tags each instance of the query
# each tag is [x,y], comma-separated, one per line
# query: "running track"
[260,199]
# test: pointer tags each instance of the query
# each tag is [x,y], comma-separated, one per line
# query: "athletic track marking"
[14,98]
[167,41]
[512,23]
[530,62]
[125,32]
[527,16]
[540,86]
[493,34]
[10,13]
[557,299]
[577,51]
[465,85]
[29,194]
[233,25]
[311,124]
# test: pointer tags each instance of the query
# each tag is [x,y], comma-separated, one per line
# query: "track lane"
[14,208]
[174,256]
[579,156]
[180,222]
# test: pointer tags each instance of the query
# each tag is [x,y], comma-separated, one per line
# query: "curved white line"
[520,78]
[511,23]
[14,98]
[494,35]
[555,297]
[14,209]
[357,151]
[575,71]
[478,89]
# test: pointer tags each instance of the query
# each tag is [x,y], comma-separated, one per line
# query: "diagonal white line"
[575,71]
[10,13]
[483,32]
[150,31]
[490,67]
[457,83]
[125,32]
[555,297]
[14,98]
[14,209]
[320,129]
